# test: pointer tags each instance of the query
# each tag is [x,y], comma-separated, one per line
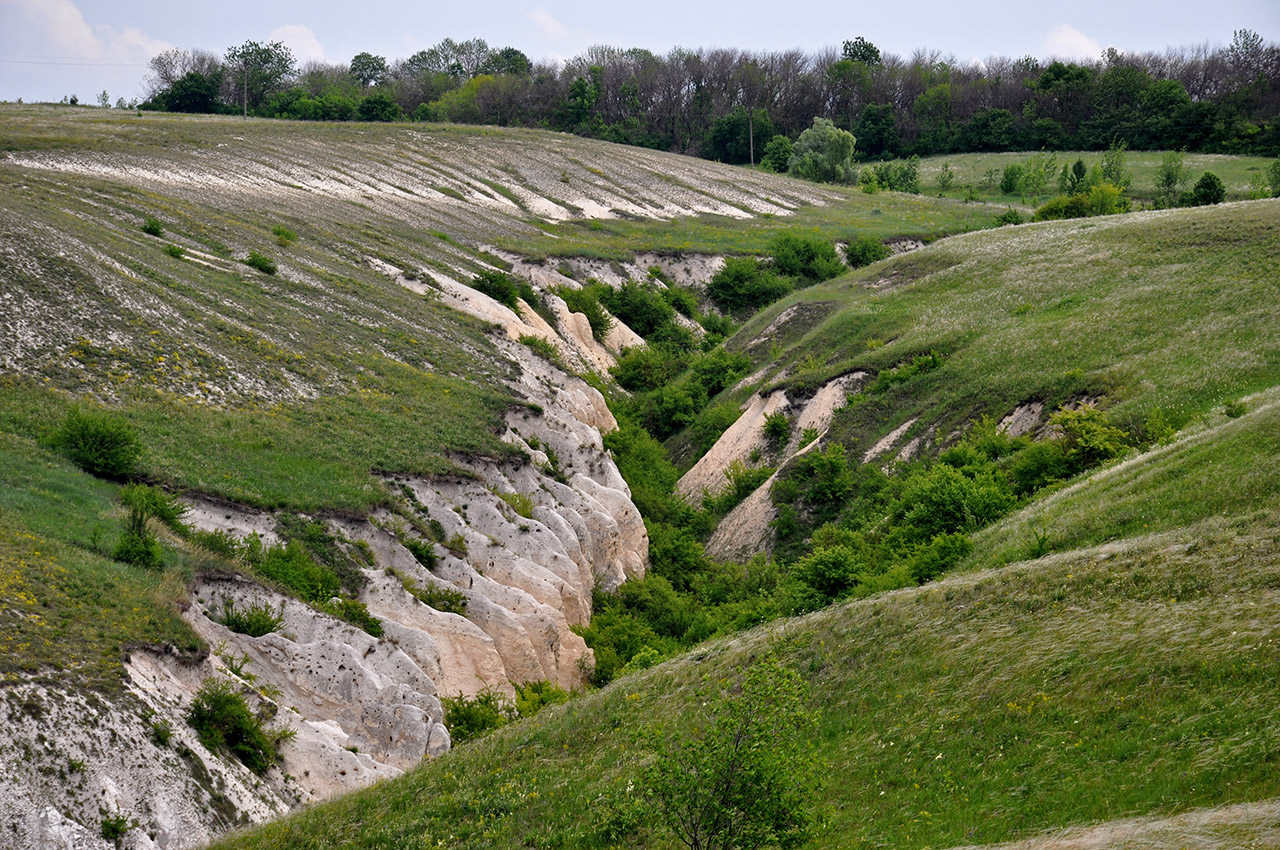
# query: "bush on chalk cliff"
[225,723]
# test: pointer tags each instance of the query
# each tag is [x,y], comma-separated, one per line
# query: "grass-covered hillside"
[1109,654]
[125,243]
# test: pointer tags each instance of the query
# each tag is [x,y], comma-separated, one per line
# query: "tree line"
[728,104]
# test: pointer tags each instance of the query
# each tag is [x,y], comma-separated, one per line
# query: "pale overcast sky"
[52,48]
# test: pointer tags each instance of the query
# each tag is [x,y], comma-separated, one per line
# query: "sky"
[55,48]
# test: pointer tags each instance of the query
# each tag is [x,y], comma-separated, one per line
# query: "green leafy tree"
[258,71]
[194,92]
[861,50]
[824,154]
[742,777]
[777,153]
[368,70]
[1171,174]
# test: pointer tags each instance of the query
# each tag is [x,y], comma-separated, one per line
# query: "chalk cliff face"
[361,708]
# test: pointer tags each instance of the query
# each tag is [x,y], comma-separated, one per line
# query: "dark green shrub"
[682,301]
[743,481]
[379,106]
[665,410]
[777,154]
[501,288]
[943,500]
[1009,216]
[638,307]
[175,251]
[471,718]
[1011,179]
[261,262]
[532,697]
[445,599]
[1039,464]
[152,226]
[323,547]
[900,175]
[711,423]
[825,575]
[139,548]
[648,367]
[1209,189]
[115,827]
[1087,437]
[718,369]
[865,250]
[744,285]
[939,555]
[777,428]
[291,566]
[224,723]
[137,545]
[99,444]
[161,732]
[354,612]
[422,551]
[254,620]
[810,260]
[587,302]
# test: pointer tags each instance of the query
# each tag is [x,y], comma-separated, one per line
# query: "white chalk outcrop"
[745,530]
[361,708]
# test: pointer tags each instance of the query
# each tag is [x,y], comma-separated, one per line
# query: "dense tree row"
[729,104]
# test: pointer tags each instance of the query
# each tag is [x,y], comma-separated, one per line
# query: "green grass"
[1226,468]
[1239,173]
[887,215]
[70,612]
[1173,310]
[1079,688]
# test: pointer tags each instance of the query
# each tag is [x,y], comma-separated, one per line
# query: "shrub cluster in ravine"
[469,718]
[225,723]
[745,284]
[864,250]
[843,528]
[502,288]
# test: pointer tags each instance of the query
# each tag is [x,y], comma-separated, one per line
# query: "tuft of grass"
[254,620]
[261,262]
[152,226]
[284,236]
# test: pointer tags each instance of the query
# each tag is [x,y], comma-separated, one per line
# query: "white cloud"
[301,40]
[548,27]
[56,29]
[1067,42]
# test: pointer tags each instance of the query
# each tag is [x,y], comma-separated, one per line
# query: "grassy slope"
[1238,173]
[1066,681]
[1174,310]
[1080,688]
[1133,678]
[281,391]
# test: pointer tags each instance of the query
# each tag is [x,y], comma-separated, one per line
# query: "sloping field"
[1173,310]
[1137,679]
